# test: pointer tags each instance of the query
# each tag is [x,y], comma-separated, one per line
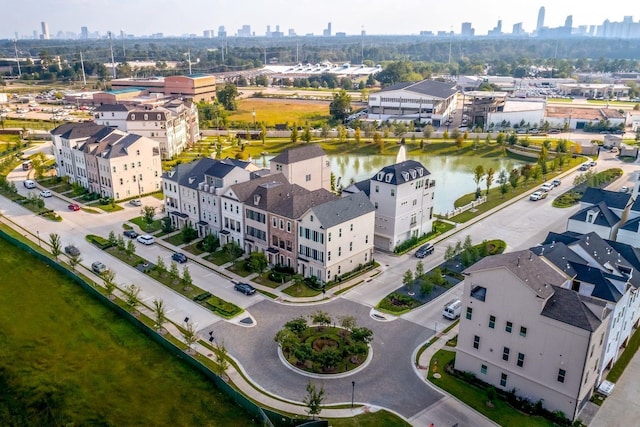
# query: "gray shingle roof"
[400,173]
[243,190]
[613,199]
[529,268]
[432,88]
[299,154]
[190,174]
[343,209]
[566,306]
[112,107]
[604,216]
[78,130]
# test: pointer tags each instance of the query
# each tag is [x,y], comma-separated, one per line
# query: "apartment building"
[604,270]
[522,328]
[174,123]
[307,166]
[107,161]
[603,212]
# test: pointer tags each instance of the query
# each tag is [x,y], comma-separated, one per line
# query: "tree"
[187,280]
[321,318]
[257,262]
[306,134]
[227,96]
[489,179]
[131,248]
[514,177]
[297,325]
[147,214]
[233,250]
[342,133]
[161,267]
[188,233]
[478,173]
[160,315]
[542,159]
[407,280]
[287,339]
[220,352]
[263,133]
[189,335]
[210,243]
[314,399]
[340,107]
[74,260]
[356,135]
[419,270]
[294,134]
[377,139]
[427,131]
[362,334]
[56,245]
[108,278]
[174,273]
[113,240]
[131,294]
[120,243]
[348,322]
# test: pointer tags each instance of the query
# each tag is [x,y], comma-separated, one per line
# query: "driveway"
[388,381]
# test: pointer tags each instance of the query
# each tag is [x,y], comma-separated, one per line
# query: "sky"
[180,17]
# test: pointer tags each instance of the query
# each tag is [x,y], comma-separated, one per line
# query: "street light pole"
[38,233]
[254,119]
[353,390]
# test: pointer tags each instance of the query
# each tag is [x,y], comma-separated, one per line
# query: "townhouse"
[523,329]
[307,165]
[603,212]
[107,161]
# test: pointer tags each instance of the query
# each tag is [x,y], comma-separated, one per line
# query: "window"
[505,354]
[350,246]
[339,232]
[329,256]
[351,227]
[339,250]
[503,380]
[509,327]
[492,322]
[483,369]
[329,236]
[307,178]
[393,192]
[523,331]
[137,152]
[520,361]
[561,375]
[479,293]
[376,205]
[476,342]
[469,313]
[377,189]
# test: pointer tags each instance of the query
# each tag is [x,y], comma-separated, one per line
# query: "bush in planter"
[279,268]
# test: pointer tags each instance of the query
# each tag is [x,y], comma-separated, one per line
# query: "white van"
[29,183]
[452,309]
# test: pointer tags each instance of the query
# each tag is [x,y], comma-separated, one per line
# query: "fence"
[267,417]
[456,211]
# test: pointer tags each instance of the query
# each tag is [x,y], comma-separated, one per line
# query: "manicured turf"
[272,111]
[98,368]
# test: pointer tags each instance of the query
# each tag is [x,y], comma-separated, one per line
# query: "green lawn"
[219,257]
[264,280]
[193,249]
[624,359]
[149,228]
[502,413]
[300,290]
[73,361]
[372,419]
[240,269]
[175,240]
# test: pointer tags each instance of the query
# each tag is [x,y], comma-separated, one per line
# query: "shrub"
[203,296]
[99,241]
[222,307]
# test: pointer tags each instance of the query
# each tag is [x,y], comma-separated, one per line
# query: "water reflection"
[453,174]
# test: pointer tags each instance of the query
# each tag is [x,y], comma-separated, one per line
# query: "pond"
[453,175]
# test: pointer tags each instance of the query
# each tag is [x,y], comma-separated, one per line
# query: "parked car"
[130,234]
[136,202]
[45,193]
[452,309]
[245,288]
[29,183]
[71,250]
[98,267]
[547,187]
[179,257]
[624,189]
[424,250]
[538,195]
[145,239]
[74,207]
[584,167]
[556,182]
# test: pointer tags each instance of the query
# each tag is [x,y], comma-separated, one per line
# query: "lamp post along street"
[353,391]
[254,119]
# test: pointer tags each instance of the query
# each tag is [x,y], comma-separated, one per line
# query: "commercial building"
[578,118]
[515,110]
[524,329]
[478,105]
[427,101]
[197,87]
[107,161]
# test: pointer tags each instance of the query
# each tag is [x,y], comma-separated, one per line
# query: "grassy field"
[272,111]
[65,358]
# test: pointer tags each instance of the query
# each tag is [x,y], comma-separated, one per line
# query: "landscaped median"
[170,276]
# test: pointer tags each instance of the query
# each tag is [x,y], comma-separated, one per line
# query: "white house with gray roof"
[521,329]
[107,161]
[307,166]
[403,196]
[427,101]
[336,237]
[602,212]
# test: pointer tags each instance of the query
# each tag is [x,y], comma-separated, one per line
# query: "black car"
[72,250]
[179,257]
[425,250]
[245,288]
[130,234]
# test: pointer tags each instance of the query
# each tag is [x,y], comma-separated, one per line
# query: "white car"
[538,195]
[547,187]
[624,189]
[45,193]
[145,239]
[136,202]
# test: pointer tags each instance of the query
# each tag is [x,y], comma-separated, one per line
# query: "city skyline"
[374,17]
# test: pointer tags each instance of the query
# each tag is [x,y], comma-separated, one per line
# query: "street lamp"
[353,390]
[254,119]
[38,233]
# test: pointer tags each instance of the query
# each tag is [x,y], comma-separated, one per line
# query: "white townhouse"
[105,160]
[603,212]
[521,329]
[336,237]
[427,101]
[629,232]
[604,270]
[403,195]
[307,166]
[113,115]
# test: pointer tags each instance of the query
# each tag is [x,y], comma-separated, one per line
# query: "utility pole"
[84,76]
[189,59]
[265,56]
[450,42]
[362,44]
[297,61]
[15,47]
[113,62]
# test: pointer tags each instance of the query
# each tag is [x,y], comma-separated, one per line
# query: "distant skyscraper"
[84,33]
[221,31]
[568,23]
[517,29]
[327,32]
[466,30]
[45,30]
[540,24]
